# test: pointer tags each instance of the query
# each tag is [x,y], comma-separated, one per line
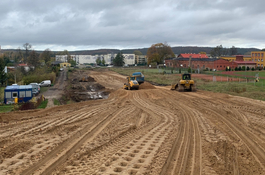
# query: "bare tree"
[27,47]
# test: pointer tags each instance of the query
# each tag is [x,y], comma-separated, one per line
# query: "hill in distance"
[176,50]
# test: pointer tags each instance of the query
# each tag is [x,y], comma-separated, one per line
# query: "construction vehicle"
[139,77]
[132,83]
[185,84]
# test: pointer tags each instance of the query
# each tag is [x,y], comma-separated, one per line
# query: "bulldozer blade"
[174,87]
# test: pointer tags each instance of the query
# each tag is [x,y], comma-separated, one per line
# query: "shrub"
[236,69]
[252,69]
[189,70]
[247,68]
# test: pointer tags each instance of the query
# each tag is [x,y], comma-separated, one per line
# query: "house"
[26,67]
[65,65]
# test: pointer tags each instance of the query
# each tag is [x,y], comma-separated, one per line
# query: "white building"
[129,59]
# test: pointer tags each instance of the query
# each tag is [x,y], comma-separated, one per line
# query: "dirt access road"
[148,131]
[56,91]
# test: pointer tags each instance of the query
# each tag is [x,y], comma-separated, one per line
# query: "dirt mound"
[147,85]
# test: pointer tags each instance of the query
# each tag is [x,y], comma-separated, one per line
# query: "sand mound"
[147,85]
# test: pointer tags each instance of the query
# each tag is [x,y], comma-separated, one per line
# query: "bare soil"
[152,130]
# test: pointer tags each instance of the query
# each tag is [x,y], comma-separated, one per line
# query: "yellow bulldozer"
[132,83]
[185,84]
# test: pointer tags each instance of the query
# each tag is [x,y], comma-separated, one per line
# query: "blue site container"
[139,77]
[23,93]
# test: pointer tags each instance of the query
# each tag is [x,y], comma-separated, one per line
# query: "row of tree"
[222,51]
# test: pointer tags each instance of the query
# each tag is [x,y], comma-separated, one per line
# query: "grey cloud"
[125,23]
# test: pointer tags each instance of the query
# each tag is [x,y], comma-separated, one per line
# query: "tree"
[118,60]
[233,50]
[252,68]
[34,59]
[247,68]
[189,70]
[3,75]
[98,61]
[137,52]
[219,51]
[103,61]
[27,47]
[46,55]
[159,52]
[239,68]
[72,62]
[236,69]
[243,68]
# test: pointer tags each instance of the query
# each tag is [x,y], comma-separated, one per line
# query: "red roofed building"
[240,62]
[193,55]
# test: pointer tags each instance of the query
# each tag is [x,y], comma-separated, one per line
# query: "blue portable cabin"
[23,93]
[139,77]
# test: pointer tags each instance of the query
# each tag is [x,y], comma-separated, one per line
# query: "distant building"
[209,63]
[62,58]
[129,59]
[233,57]
[258,57]
[26,67]
[192,55]
[140,59]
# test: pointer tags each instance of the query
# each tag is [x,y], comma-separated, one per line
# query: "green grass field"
[6,108]
[251,73]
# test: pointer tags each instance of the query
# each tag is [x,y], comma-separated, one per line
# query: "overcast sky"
[120,24]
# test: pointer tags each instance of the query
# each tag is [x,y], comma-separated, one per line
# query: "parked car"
[61,69]
[36,86]
[45,83]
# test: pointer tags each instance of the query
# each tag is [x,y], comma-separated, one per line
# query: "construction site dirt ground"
[148,131]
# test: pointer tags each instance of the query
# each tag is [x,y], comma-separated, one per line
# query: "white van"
[45,83]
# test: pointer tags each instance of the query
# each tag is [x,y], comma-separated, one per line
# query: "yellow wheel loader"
[185,84]
[131,83]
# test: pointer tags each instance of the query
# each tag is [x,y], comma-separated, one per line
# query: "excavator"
[185,84]
[132,83]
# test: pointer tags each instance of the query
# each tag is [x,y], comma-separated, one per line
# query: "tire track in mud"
[90,131]
[186,152]
[114,155]
[239,125]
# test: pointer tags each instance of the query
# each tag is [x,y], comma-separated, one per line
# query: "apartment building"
[129,59]
[258,57]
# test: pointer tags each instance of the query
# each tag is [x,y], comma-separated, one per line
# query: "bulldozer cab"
[186,77]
